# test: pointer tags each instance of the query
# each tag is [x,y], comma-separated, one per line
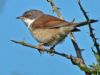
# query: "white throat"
[29,22]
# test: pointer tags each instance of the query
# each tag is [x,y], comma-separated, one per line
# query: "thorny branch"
[75,60]
[55,9]
[92,35]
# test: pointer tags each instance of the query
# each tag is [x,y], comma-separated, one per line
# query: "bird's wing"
[47,21]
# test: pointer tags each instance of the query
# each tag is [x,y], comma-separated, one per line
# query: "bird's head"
[30,16]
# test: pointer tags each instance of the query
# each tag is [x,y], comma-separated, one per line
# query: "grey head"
[30,16]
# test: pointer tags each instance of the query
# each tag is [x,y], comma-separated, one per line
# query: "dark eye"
[28,15]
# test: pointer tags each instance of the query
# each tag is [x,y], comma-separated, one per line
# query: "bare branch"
[90,30]
[75,60]
[54,7]
[96,44]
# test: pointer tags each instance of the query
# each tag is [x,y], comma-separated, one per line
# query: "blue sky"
[19,60]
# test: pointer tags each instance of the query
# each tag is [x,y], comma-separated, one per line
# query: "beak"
[20,17]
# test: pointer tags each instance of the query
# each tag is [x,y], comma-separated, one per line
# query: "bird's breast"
[49,36]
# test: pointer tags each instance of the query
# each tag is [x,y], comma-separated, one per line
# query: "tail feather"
[85,23]
[76,30]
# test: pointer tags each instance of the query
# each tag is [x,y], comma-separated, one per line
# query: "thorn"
[58,8]
[40,52]
[94,20]
[82,50]
[48,1]
[86,12]
[73,20]
[97,38]
[13,41]
[92,29]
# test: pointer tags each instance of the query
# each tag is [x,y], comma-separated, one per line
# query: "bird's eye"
[28,15]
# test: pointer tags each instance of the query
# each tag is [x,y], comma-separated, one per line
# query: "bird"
[49,30]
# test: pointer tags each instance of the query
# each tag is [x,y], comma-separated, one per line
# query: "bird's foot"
[52,51]
[41,49]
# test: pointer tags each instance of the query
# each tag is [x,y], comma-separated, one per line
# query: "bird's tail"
[85,23]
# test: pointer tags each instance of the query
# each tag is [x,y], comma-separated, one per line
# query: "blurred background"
[19,60]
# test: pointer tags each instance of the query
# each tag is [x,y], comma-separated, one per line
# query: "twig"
[55,8]
[44,49]
[90,30]
[75,60]
[96,44]
[76,46]
[41,49]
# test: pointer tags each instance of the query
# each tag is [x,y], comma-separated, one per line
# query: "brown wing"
[47,21]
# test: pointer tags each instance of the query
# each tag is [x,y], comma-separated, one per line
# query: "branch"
[42,49]
[54,7]
[92,35]
[75,60]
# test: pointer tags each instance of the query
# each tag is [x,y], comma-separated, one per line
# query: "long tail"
[85,23]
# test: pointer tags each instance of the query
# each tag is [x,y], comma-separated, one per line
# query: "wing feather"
[47,21]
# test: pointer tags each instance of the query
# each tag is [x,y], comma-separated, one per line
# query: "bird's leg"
[40,46]
[52,50]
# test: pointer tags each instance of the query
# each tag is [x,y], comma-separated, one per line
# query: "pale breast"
[49,36]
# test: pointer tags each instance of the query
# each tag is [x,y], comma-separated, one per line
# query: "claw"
[40,46]
[52,50]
